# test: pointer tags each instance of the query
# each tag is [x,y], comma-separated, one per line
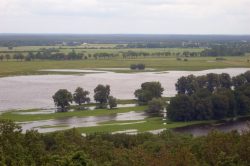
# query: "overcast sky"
[125,16]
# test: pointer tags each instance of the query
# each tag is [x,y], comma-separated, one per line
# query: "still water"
[26,92]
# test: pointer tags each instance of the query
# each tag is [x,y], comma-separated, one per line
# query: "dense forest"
[213,96]
[70,148]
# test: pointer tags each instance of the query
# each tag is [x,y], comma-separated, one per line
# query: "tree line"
[70,148]
[213,96]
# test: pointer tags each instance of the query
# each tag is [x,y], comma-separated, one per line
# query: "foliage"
[81,96]
[215,100]
[139,66]
[101,94]
[156,105]
[112,102]
[148,91]
[62,99]
[69,148]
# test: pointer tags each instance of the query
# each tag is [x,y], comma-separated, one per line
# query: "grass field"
[148,124]
[160,64]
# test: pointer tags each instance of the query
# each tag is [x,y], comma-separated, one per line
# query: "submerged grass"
[154,123]
[13,115]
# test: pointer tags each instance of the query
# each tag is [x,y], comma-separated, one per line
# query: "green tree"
[7,57]
[1,57]
[239,80]
[81,96]
[101,94]
[112,102]
[156,105]
[181,108]
[213,81]
[62,99]
[148,91]
[220,106]
[225,80]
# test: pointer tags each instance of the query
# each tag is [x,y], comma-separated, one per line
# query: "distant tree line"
[213,96]
[226,50]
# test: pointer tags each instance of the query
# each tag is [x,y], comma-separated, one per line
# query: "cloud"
[127,16]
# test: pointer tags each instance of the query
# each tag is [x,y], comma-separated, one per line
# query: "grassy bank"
[160,64]
[15,116]
[148,124]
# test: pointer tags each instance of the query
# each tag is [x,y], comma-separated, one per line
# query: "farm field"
[12,68]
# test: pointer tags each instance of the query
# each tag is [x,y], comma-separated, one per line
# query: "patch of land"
[12,68]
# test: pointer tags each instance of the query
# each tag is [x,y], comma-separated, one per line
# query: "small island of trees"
[63,98]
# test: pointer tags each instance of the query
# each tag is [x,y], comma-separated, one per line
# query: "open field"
[160,64]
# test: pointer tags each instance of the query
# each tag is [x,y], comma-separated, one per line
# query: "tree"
[81,96]
[7,57]
[239,81]
[247,76]
[112,102]
[1,57]
[62,99]
[133,66]
[225,80]
[220,106]
[181,108]
[148,91]
[212,81]
[156,105]
[140,66]
[186,85]
[101,94]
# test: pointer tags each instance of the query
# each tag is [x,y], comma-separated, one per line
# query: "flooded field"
[66,123]
[26,92]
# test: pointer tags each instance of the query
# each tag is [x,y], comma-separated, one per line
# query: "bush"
[133,66]
[139,66]
[112,102]
[156,105]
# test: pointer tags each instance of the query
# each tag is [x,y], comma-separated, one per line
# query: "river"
[35,91]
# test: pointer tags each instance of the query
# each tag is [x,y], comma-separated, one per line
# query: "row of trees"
[212,82]
[69,148]
[51,54]
[62,98]
[224,50]
[43,56]
[210,97]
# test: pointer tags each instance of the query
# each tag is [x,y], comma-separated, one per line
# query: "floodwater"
[27,92]
[67,123]
[240,125]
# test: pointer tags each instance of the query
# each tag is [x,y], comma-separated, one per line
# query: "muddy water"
[66,123]
[26,92]
[239,125]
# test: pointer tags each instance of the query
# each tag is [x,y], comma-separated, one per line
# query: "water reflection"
[239,125]
[66,123]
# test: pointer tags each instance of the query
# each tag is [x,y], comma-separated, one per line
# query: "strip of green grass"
[13,115]
[150,124]
[160,64]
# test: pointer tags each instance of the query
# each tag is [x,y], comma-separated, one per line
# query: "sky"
[125,16]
